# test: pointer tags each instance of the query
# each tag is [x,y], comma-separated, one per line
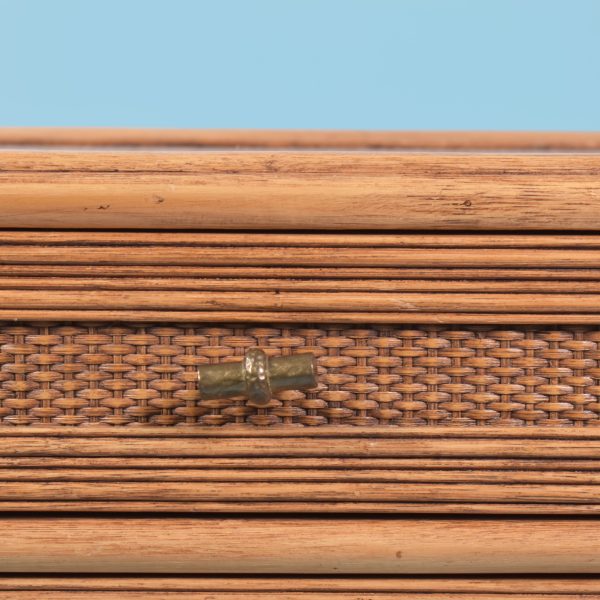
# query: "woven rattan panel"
[129,374]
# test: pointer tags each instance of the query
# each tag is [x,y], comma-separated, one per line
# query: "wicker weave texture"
[136,375]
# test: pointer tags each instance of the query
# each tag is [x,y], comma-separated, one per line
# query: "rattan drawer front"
[130,374]
[406,419]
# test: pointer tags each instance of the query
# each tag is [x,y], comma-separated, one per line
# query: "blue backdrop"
[366,64]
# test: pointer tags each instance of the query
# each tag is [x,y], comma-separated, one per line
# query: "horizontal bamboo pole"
[331,586]
[282,273]
[279,595]
[299,546]
[299,257]
[252,595]
[321,191]
[298,138]
[336,447]
[339,476]
[306,491]
[95,165]
[317,302]
[331,509]
[327,585]
[99,430]
[150,284]
[394,318]
[212,467]
[304,240]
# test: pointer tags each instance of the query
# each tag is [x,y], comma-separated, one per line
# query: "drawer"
[451,302]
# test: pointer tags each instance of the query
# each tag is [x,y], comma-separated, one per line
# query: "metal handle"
[257,376]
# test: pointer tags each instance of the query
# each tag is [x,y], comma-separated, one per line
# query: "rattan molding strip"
[281,278]
[299,588]
[332,469]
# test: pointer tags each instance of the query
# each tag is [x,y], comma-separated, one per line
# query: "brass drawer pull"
[257,376]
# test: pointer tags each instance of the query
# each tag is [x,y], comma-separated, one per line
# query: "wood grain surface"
[349,446]
[300,190]
[380,278]
[300,588]
[301,138]
[213,545]
[446,470]
[348,497]
[290,588]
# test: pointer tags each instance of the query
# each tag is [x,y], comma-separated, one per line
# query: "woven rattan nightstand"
[447,286]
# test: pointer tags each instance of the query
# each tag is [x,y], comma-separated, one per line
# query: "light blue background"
[359,64]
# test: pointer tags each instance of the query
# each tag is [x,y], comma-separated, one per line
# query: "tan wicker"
[452,301]
[145,374]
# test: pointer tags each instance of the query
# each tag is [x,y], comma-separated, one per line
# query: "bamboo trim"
[245,302]
[277,256]
[300,546]
[321,478]
[307,491]
[287,317]
[251,595]
[296,273]
[338,274]
[402,584]
[157,239]
[309,508]
[485,140]
[299,447]
[329,431]
[172,284]
[318,191]
[447,470]
[345,464]
[182,166]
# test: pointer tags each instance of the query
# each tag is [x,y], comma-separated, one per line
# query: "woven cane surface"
[136,375]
